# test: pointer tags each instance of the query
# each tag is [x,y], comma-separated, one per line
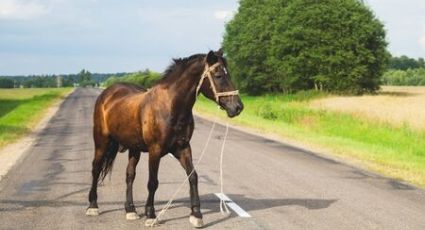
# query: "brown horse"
[158,121]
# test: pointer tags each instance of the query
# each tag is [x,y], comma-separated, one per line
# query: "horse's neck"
[182,90]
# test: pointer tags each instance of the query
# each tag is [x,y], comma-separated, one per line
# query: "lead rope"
[223,206]
[169,203]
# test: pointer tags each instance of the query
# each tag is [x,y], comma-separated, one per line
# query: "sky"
[105,36]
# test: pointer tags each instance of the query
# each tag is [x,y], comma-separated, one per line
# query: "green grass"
[21,109]
[397,152]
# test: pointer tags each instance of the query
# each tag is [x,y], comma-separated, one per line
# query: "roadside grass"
[393,150]
[21,109]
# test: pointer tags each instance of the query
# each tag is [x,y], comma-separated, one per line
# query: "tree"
[289,45]
[85,78]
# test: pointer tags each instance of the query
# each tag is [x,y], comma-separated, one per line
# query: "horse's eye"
[219,76]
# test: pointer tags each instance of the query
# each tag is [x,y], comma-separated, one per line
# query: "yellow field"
[397,105]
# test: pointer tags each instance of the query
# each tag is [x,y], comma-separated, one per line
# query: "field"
[20,109]
[401,106]
[378,132]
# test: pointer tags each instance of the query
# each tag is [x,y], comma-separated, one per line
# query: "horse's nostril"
[239,108]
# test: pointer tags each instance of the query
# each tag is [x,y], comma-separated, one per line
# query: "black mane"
[179,64]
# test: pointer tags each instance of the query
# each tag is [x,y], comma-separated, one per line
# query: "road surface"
[277,185]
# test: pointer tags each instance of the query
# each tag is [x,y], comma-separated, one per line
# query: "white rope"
[223,206]
[169,203]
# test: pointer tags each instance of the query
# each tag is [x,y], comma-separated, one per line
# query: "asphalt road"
[279,186]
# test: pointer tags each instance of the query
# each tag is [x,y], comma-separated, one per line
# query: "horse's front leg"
[154,159]
[184,154]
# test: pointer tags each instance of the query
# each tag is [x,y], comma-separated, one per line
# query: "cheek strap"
[208,74]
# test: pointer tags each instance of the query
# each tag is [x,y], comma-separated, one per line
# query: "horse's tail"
[108,159]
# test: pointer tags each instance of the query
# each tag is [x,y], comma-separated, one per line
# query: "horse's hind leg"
[103,146]
[133,159]
[93,209]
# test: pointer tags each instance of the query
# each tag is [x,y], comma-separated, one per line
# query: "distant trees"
[40,82]
[290,45]
[83,78]
[145,79]
[6,83]
[404,63]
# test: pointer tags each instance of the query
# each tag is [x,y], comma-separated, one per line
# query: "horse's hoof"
[151,222]
[196,222]
[132,216]
[92,212]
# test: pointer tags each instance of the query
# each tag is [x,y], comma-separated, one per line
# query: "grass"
[21,109]
[393,150]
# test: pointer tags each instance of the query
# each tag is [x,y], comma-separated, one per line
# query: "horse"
[158,121]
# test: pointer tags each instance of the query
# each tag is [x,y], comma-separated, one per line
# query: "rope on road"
[223,206]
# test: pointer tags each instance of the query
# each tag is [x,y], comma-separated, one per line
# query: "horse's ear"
[211,58]
[219,52]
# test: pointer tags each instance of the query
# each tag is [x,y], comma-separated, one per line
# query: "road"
[278,185]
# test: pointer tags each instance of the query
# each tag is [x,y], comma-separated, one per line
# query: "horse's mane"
[179,64]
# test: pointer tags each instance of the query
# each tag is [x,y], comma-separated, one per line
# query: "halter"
[207,74]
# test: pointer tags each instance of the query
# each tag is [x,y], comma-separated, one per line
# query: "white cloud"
[21,10]
[223,15]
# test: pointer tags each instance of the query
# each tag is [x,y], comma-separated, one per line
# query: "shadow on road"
[209,204]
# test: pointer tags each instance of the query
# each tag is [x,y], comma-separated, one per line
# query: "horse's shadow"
[210,205]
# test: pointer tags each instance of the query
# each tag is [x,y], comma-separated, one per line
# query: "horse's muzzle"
[234,110]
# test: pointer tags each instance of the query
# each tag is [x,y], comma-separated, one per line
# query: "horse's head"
[216,84]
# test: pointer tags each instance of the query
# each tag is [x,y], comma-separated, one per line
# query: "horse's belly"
[129,143]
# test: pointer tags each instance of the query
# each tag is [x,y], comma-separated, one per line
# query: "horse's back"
[119,91]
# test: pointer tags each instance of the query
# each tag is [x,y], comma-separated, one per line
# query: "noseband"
[208,74]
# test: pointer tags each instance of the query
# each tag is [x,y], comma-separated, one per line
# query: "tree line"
[83,78]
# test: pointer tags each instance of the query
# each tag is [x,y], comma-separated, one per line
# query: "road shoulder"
[14,153]
[313,150]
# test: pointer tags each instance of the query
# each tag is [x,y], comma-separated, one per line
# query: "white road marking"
[236,208]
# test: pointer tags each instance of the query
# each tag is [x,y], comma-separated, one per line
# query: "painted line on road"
[236,208]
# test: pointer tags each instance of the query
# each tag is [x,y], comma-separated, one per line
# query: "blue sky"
[64,36]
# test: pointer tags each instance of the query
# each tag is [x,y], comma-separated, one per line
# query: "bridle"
[207,74]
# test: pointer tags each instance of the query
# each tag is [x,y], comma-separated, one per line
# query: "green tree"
[85,78]
[289,45]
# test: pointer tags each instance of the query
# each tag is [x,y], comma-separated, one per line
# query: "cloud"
[21,10]
[223,15]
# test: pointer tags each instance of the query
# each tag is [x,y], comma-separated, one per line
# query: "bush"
[144,79]
[410,77]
